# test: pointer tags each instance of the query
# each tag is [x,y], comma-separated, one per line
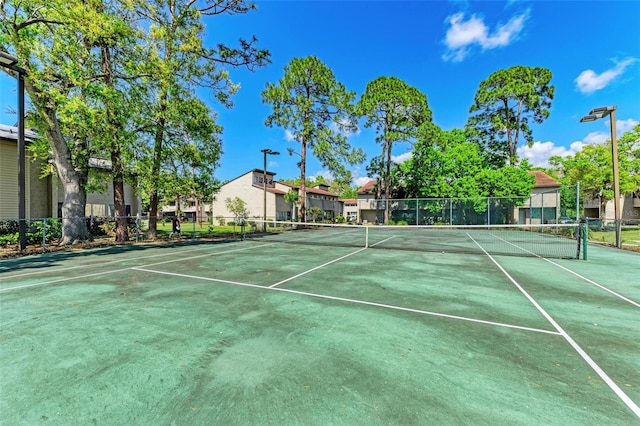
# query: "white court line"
[90,265]
[325,264]
[603,375]
[356,301]
[626,299]
[382,241]
[123,269]
[317,267]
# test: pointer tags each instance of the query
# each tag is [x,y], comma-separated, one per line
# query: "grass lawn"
[192,229]
[630,236]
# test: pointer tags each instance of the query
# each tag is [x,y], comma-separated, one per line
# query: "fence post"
[488,212]
[578,202]
[44,235]
[585,238]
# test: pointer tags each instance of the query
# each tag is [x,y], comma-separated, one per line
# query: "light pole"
[264,186]
[10,62]
[596,114]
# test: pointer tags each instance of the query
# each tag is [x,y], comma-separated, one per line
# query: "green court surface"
[264,332]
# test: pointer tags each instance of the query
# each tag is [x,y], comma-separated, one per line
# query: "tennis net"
[547,240]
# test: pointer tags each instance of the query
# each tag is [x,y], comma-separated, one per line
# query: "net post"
[585,237]
[366,237]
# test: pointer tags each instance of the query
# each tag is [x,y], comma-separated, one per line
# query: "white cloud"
[361,181]
[326,174]
[588,81]
[289,136]
[596,138]
[401,158]
[623,126]
[462,35]
[539,153]
[600,137]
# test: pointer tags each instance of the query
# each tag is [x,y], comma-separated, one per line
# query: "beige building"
[629,208]
[543,206]
[38,202]
[44,196]
[250,188]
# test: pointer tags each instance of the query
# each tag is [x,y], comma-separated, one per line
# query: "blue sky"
[444,48]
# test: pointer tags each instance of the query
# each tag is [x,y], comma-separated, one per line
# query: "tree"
[49,45]
[318,110]
[593,168]
[179,63]
[396,110]
[505,105]
[445,164]
[238,208]
[315,213]
[97,82]
[292,197]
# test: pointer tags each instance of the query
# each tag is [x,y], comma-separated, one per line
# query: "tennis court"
[261,331]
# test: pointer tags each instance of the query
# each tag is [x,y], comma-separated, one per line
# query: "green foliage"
[319,112]
[593,168]
[444,164]
[315,213]
[116,80]
[349,192]
[237,207]
[292,196]
[34,234]
[505,105]
[397,111]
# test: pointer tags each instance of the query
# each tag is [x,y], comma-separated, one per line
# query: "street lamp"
[596,114]
[10,62]
[264,185]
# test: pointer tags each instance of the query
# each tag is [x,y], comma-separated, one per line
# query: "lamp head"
[603,110]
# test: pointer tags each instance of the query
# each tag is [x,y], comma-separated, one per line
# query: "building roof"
[11,133]
[367,188]
[311,190]
[250,171]
[269,189]
[543,180]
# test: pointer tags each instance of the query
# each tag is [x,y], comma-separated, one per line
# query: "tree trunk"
[117,172]
[303,185]
[122,231]
[73,180]
[152,233]
[387,182]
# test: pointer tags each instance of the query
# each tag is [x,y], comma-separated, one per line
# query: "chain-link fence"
[539,208]
[43,234]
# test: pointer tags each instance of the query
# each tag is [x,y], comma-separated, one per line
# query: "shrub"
[8,239]
[8,227]
[220,220]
